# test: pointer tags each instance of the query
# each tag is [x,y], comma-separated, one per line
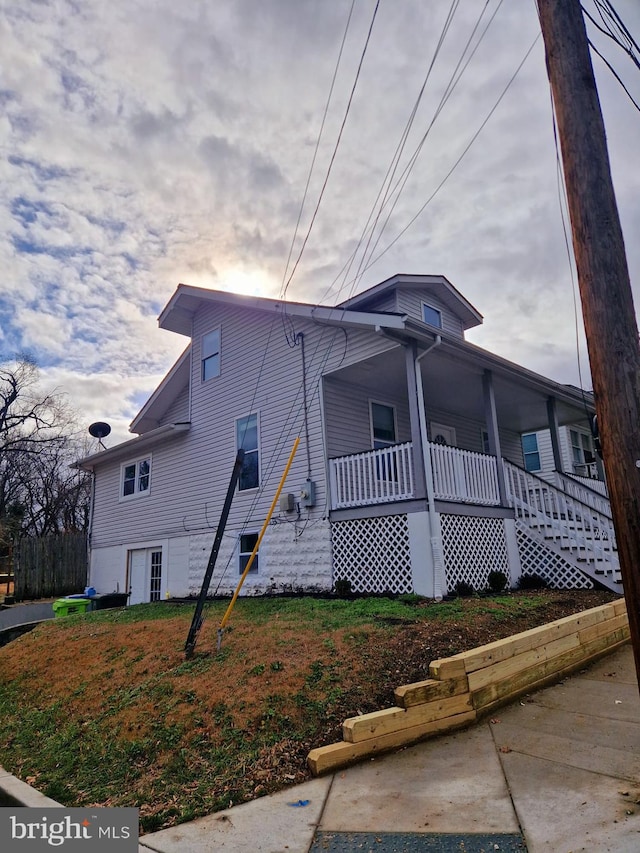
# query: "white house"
[410,475]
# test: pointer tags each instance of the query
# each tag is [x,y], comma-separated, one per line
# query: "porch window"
[247,440]
[135,478]
[530,452]
[383,425]
[581,448]
[431,315]
[211,355]
[247,544]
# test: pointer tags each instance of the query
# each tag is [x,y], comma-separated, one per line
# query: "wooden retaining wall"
[467,686]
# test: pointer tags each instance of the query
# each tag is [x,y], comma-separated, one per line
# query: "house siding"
[410,302]
[348,419]
[178,412]
[190,472]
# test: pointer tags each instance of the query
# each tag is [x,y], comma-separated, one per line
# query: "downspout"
[434,521]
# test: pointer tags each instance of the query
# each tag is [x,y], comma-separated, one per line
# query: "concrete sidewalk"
[557,772]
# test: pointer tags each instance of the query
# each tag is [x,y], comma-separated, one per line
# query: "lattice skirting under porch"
[373,554]
[535,558]
[473,547]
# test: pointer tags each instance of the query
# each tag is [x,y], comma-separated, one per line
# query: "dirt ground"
[284,686]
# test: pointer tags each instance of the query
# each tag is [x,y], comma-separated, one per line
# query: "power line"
[315,152]
[335,150]
[397,189]
[451,86]
[615,74]
[458,161]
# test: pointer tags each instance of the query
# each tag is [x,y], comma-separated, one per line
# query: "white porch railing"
[461,475]
[591,492]
[381,476]
[595,485]
[377,476]
[577,527]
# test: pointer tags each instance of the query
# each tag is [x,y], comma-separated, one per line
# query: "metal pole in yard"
[227,614]
[196,622]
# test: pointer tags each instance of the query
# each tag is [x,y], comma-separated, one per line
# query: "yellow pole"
[226,616]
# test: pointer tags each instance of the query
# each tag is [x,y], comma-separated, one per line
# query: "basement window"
[248,542]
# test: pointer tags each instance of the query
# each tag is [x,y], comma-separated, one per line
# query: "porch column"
[491,419]
[552,416]
[410,354]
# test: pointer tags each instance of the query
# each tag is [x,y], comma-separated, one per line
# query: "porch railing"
[385,475]
[377,476]
[462,475]
[590,492]
[578,527]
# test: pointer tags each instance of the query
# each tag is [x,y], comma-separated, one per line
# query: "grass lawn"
[104,709]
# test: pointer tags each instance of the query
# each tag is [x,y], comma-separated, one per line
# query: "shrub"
[497,581]
[464,589]
[532,580]
[342,587]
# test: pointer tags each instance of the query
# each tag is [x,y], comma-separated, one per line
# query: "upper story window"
[135,478]
[247,440]
[211,355]
[530,452]
[431,315]
[383,425]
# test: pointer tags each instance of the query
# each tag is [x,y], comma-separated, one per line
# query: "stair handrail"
[575,524]
[595,499]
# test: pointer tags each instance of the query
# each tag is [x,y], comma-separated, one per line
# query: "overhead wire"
[395,160]
[458,161]
[335,149]
[452,83]
[451,86]
[317,146]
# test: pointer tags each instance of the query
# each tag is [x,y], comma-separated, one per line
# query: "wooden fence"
[50,566]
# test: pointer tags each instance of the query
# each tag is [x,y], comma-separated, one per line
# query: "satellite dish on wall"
[99,430]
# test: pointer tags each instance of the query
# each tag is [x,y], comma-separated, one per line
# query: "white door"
[441,434]
[145,575]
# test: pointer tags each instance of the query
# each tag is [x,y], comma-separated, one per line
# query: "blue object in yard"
[90,591]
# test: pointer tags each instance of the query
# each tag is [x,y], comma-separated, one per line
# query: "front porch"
[560,530]
[427,481]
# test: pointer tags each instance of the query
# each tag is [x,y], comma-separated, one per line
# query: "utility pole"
[603,277]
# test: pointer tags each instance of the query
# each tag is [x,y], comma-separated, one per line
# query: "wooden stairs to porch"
[579,531]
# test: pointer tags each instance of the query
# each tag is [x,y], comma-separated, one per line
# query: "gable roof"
[178,314]
[173,383]
[437,284]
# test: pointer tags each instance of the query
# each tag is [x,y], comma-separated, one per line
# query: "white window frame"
[251,450]
[244,556]
[437,311]
[531,452]
[581,435]
[137,491]
[209,352]
[382,442]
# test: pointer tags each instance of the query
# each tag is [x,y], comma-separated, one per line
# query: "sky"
[144,143]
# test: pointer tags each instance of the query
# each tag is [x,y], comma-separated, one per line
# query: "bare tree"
[40,492]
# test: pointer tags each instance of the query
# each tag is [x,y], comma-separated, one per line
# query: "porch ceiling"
[454,384]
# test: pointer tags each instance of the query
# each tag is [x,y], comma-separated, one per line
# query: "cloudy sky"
[145,143]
